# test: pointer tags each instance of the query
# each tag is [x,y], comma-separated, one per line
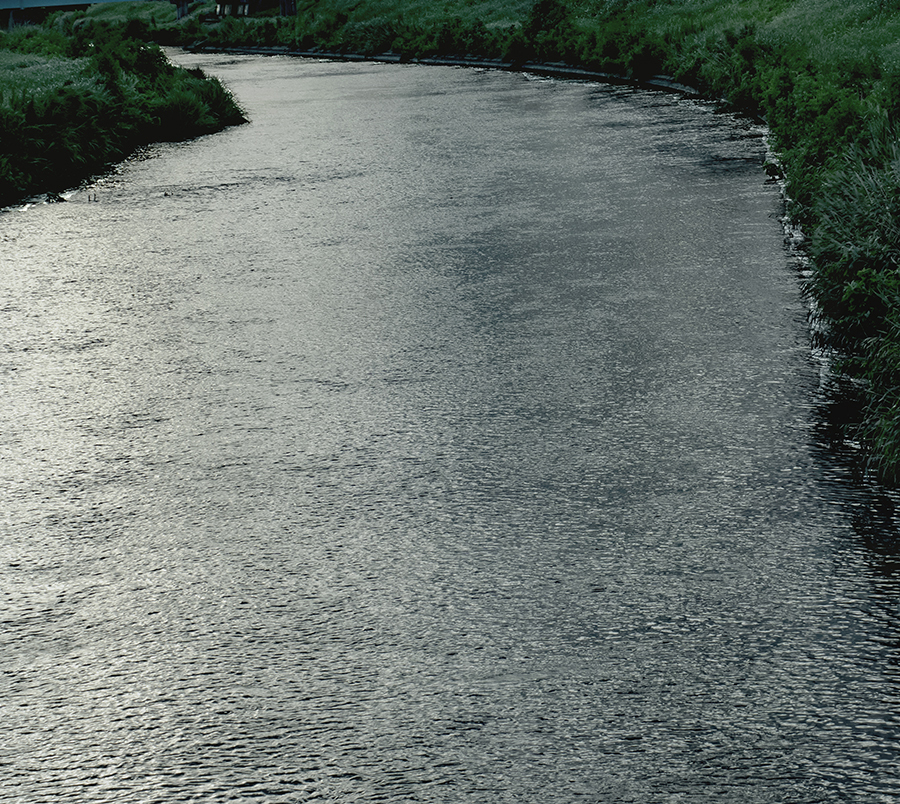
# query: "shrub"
[77,115]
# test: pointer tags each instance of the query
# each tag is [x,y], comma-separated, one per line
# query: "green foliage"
[64,117]
[549,32]
[856,248]
[881,424]
[856,242]
[235,32]
[34,40]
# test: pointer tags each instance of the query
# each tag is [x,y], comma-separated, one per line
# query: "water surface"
[441,436]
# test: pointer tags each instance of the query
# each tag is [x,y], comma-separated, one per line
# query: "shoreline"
[74,103]
[553,70]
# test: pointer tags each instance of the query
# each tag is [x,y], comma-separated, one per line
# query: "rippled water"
[442,436]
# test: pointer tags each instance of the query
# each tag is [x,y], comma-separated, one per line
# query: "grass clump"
[79,94]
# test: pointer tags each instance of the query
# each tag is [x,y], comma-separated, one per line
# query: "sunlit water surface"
[441,436]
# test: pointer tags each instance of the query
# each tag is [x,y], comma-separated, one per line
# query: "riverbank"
[550,70]
[75,99]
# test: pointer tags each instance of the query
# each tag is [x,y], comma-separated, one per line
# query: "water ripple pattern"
[440,436]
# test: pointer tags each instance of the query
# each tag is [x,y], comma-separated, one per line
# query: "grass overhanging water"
[825,75]
[79,94]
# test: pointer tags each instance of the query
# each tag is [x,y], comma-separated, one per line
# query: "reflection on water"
[443,435]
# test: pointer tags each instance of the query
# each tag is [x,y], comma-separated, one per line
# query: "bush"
[121,94]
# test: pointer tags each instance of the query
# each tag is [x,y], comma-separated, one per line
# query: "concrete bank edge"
[556,70]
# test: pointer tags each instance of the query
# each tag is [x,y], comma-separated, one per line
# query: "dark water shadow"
[870,506]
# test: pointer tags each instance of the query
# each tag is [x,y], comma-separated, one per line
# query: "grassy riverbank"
[79,94]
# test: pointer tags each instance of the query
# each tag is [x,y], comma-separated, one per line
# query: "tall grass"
[76,97]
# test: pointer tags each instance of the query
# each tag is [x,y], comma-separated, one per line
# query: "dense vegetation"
[76,97]
[824,74]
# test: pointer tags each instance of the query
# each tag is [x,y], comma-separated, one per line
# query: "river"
[443,435]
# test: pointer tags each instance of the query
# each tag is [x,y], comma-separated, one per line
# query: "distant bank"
[825,75]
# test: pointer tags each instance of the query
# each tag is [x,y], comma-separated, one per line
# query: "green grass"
[81,93]
[34,75]
[152,13]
